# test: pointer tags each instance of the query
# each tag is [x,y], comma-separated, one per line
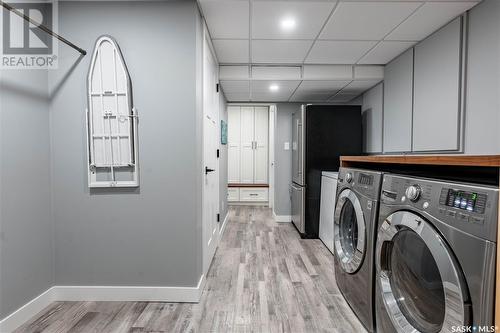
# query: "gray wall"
[283,158]
[223,163]
[26,247]
[150,236]
[483,80]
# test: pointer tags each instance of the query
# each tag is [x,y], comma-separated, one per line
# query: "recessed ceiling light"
[288,23]
[274,87]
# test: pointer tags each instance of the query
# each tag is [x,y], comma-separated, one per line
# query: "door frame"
[273,116]
[208,47]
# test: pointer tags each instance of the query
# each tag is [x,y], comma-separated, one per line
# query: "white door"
[233,138]
[261,145]
[211,163]
[247,145]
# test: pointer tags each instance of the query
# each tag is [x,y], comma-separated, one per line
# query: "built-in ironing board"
[111,119]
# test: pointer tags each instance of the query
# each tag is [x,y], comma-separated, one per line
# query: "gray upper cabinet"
[437,111]
[483,80]
[373,104]
[398,97]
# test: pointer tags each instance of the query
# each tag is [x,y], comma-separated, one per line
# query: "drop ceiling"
[316,51]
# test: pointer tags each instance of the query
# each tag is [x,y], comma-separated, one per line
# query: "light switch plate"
[286,146]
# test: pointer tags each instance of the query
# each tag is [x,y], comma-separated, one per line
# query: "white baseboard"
[101,293]
[27,311]
[221,230]
[282,218]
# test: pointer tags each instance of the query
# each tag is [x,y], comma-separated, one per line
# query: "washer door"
[418,276]
[349,231]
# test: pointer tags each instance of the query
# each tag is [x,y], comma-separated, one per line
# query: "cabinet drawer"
[233,194]
[254,194]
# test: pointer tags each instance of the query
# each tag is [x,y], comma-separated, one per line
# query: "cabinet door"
[261,145]
[247,151]
[233,143]
[373,108]
[437,104]
[398,108]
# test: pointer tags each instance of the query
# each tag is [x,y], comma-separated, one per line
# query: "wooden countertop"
[452,160]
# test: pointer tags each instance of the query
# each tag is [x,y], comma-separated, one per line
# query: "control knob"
[413,192]
[348,177]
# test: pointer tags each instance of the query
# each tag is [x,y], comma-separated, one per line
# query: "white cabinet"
[233,194]
[437,112]
[261,146]
[398,108]
[249,194]
[248,141]
[233,144]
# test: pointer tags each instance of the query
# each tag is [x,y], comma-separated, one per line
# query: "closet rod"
[41,27]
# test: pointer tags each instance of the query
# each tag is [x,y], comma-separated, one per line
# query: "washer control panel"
[464,200]
[468,207]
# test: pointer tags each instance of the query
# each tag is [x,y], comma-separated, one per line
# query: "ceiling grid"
[281,34]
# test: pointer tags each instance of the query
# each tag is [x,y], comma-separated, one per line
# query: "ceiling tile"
[235,86]
[366,20]
[260,91]
[329,87]
[359,87]
[307,97]
[385,51]
[237,97]
[227,19]
[343,97]
[369,72]
[279,51]
[234,72]
[309,18]
[429,18]
[232,51]
[327,72]
[338,52]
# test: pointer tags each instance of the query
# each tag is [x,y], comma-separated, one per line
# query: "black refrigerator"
[321,134]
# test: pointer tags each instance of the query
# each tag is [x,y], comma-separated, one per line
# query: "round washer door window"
[418,276]
[416,282]
[349,232]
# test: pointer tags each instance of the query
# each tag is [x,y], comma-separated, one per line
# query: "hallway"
[264,278]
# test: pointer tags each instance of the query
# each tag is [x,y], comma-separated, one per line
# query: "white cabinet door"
[234,144]
[261,145]
[247,151]
[437,106]
[398,108]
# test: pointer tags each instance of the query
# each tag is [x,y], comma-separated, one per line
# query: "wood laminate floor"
[264,278]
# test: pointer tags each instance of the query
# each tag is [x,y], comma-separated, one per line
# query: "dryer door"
[420,281]
[349,231]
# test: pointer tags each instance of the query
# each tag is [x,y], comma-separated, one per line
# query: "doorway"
[251,154]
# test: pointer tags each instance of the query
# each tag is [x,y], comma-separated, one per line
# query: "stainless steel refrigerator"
[321,134]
